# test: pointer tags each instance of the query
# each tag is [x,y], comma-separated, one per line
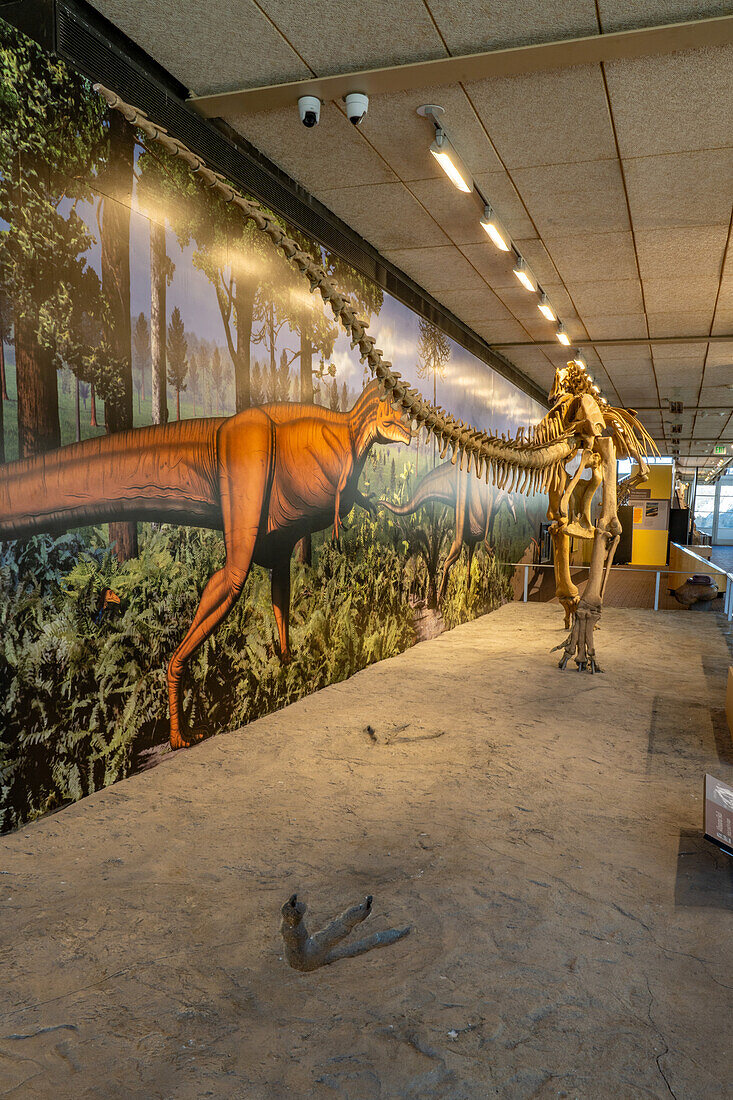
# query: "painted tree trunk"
[303,549]
[115,241]
[244,301]
[3,379]
[158,283]
[93,422]
[77,409]
[178,404]
[2,429]
[38,398]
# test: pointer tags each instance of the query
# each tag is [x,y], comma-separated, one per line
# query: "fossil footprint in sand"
[305,952]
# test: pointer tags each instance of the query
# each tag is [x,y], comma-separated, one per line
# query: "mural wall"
[145,331]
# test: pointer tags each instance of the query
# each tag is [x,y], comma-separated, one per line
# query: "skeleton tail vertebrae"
[525,465]
[164,472]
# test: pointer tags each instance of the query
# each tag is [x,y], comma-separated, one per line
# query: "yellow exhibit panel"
[651,503]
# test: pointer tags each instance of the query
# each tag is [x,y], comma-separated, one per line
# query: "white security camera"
[357,105]
[309,109]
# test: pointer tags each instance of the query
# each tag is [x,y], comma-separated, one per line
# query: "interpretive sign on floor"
[719,813]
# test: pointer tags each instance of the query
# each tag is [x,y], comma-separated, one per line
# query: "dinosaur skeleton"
[580,424]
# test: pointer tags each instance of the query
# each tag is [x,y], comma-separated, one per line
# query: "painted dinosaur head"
[390,424]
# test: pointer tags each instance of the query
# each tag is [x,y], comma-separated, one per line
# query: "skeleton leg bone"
[579,643]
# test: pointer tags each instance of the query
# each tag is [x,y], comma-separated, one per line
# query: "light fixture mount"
[431,110]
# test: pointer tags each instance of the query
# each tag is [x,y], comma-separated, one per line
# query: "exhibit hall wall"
[130,296]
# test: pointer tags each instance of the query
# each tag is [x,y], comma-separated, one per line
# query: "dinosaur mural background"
[129,298]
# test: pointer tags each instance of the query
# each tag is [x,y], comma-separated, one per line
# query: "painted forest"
[130,296]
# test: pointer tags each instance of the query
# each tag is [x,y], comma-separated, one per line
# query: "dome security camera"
[357,105]
[309,109]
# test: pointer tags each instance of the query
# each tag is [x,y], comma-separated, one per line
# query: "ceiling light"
[579,360]
[545,308]
[562,335]
[525,276]
[450,162]
[495,230]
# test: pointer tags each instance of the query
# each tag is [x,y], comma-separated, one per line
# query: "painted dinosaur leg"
[281,603]
[244,457]
[453,555]
[457,545]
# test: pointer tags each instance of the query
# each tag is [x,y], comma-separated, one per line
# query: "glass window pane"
[704,508]
[725,513]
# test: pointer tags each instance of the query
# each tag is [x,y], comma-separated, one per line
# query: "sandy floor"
[573,934]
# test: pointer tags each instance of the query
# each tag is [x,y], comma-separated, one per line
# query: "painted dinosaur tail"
[431,488]
[167,472]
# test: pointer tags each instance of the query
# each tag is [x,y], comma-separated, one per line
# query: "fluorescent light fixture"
[579,360]
[562,335]
[545,308]
[495,230]
[450,162]
[525,276]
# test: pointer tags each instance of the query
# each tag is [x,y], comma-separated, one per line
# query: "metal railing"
[631,572]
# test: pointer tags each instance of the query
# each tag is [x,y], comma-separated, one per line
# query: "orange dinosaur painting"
[266,477]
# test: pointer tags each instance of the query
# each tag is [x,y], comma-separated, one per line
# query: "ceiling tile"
[682,323]
[622,326]
[209,45]
[692,252]
[592,256]
[669,103]
[619,15]
[499,190]
[725,299]
[680,189]
[524,305]
[538,259]
[559,298]
[668,295]
[308,155]
[625,357]
[528,120]
[496,331]
[407,224]
[719,374]
[529,360]
[436,269]
[574,198]
[720,355]
[613,296]
[328,44]
[477,305]
[680,351]
[494,266]
[723,324]
[474,25]
[458,215]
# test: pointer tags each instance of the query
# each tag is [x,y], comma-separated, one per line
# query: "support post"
[656,591]
[526,582]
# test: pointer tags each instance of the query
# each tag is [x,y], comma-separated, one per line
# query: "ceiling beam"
[635,341]
[666,38]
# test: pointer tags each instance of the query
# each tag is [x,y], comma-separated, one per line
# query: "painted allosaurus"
[266,477]
[475,503]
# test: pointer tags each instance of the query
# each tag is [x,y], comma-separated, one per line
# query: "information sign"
[719,813]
